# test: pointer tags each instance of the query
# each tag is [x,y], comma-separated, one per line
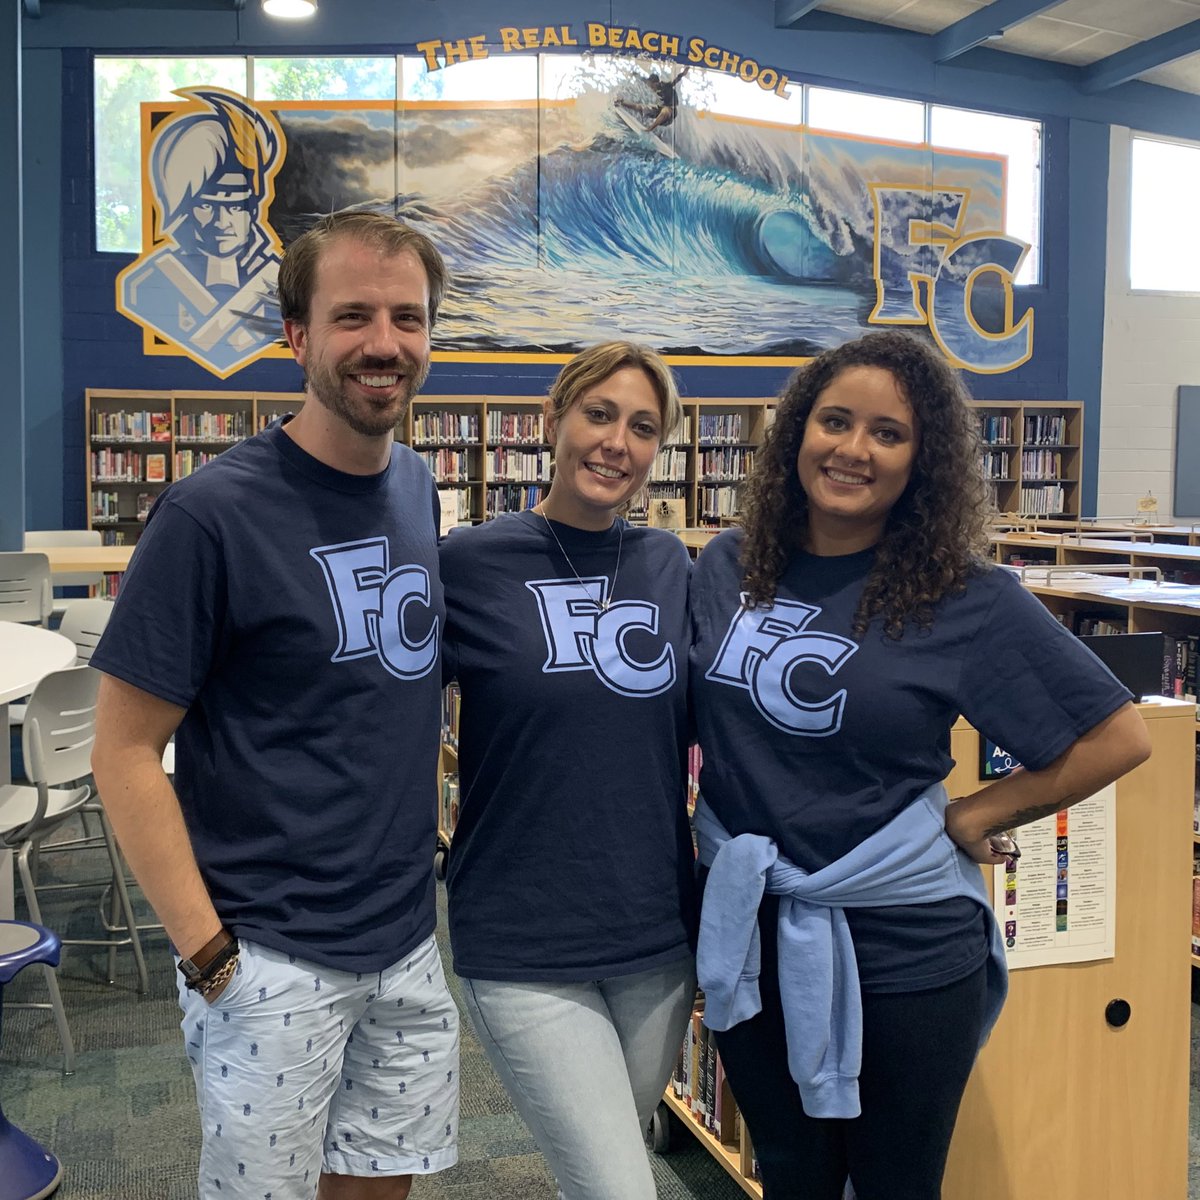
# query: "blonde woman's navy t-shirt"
[572,858]
[818,738]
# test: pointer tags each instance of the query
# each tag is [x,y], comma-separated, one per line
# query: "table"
[27,653]
[75,560]
[696,539]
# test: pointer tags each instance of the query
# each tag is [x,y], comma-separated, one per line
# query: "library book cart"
[1082,1091]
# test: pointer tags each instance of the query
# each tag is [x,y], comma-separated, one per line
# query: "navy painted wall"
[77,324]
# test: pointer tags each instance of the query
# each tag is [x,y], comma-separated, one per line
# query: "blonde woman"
[571,873]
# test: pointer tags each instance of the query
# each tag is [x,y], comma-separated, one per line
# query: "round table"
[28,652]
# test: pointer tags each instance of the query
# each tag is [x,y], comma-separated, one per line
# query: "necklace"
[607,601]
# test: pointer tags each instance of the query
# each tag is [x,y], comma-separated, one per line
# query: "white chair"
[84,622]
[60,727]
[25,592]
[36,539]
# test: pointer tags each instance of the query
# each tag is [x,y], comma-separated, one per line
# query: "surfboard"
[638,127]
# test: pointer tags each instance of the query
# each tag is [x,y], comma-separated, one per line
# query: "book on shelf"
[156,468]
[160,427]
[1196,902]
[145,501]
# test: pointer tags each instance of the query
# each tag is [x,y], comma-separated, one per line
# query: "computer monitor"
[1136,659]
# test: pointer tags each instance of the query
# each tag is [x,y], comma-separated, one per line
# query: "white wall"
[1151,346]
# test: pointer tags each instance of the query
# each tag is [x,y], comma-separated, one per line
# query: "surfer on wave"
[662,111]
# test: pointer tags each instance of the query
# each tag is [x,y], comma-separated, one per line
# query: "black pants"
[918,1051]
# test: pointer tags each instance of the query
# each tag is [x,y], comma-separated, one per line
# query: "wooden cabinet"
[1061,1103]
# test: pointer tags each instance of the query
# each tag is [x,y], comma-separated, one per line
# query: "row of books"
[111,507]
[507,463]
[1196,902]
[1045,430]
[127,466]
[512,497]
[995,429]
[451,705]
[448,466]
[214,426]
[123,426]
[450,799]
[509,426]
[1041,464]
[699,1083]
[721,427]
[187,461]
[456,500]
[429,427]
[1179,666]
[729,462]
[715,503]
[1043,501]
[670,465]
[994,464]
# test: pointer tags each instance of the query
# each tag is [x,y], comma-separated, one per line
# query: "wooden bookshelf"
[731,1156]
[1032,453]
[489,454]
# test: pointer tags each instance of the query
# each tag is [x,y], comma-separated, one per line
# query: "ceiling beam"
[789,12]
[982,26]
[1144,56]
[33,8]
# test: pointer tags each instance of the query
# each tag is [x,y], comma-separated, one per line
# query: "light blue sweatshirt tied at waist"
[911,860]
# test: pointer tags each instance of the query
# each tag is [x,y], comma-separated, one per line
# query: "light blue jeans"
[585,1065]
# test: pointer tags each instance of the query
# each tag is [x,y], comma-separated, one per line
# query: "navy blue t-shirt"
[572,858]
[295,612]
[817,739]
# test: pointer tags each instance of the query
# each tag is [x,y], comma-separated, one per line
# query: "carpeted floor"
[125,1126]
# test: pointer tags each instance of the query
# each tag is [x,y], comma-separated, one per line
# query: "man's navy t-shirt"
[295,611]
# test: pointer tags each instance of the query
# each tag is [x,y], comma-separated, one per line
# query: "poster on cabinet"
[1056,903]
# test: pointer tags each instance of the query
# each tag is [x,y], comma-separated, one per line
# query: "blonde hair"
[593,366]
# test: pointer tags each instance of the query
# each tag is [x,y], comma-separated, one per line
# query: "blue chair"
[27,1171]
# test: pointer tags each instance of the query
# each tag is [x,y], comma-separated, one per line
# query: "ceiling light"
[292,10]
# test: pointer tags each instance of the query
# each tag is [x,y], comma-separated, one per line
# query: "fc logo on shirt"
[761,650]
[582,634]
[372,601]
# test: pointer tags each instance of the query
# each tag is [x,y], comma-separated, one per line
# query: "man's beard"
[327,385]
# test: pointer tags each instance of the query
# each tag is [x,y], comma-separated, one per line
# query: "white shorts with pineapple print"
[301,1069]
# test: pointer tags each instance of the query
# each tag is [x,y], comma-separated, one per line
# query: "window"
[324,78]
[121,85]
[1164,237]
[1020,142]
[497,77]
[836,111]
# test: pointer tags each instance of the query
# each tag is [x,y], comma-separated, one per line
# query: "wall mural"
[616,210]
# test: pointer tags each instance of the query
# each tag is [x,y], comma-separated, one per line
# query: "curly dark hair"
[934,539]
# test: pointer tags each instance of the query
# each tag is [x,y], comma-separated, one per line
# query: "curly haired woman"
[848,952]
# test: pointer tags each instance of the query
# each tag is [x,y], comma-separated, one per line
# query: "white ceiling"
[1080,32]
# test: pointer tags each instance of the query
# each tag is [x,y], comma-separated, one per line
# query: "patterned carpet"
[125,1127]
